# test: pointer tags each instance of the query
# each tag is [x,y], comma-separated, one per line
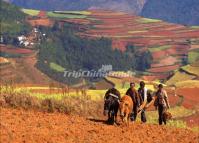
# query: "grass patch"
[178,77]
[57,67]
[177,124]
[134,32]
[188,83]
[161,48]
[195,27]
[177,112]
[68,104]
[147,20]
[73,12]
[195,129]
[12,27]
[82,106]
[31,12]
[193,56]
[94,95]
[191,69]
[68,16]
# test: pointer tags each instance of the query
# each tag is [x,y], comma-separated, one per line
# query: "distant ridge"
[176,11]
[131,6]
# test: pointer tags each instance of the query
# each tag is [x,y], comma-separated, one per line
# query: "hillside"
[132,6]
[12,23]
[176,11]
[31,126]
[171,45]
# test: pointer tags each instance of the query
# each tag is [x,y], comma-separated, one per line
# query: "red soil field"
[11,50]
[77,21]
[126,29]
[193,120]
[165,62]
[22,70]
[42,14]
[155,76]
[188,34]
[31,126]
[159,54]
[191,97]
[173,100]
[164,69]
[41,22]
[3,60]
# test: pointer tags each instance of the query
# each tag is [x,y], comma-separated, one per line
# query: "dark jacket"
[134,96]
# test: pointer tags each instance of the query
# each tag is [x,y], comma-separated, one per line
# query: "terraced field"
[169,43]
[8,50]
[19,66]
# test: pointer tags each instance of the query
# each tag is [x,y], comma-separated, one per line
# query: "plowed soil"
[31,126]
[191,97]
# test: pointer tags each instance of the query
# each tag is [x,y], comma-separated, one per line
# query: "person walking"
[162,103]
[132,92]
[143,94]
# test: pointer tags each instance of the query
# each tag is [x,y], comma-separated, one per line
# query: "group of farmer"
[142,98]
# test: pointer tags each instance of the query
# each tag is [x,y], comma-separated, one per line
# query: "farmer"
[132,92]
[143,94]
[162,103]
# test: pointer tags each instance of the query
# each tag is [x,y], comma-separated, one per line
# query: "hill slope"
[21,126]
[134,6]
[176,11]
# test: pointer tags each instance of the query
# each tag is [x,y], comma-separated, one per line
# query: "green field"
[160,48]
[67,15]
[147,20]
[31,12]
[134,32]
[56,67]
[177,112]
[188,83]
[178,77]
[193,56]
[191,69]
[195,27]
[73,12]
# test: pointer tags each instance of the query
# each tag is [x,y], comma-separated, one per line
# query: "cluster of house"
[29,41]
[34,37]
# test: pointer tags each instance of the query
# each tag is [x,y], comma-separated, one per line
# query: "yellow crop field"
[191,69]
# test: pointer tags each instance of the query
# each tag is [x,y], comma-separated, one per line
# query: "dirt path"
[31,126]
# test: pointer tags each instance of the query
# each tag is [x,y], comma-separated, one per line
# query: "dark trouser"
[134,113]
[143,116]
[161,110]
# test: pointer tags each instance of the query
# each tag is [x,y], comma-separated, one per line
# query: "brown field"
[130,29]
[31,126]
[193,120]
[14,50]
[41,22]
[42,14]
[191,97]
[165,62]
[156,76]
[23,71]
[164,69]
[3,60]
